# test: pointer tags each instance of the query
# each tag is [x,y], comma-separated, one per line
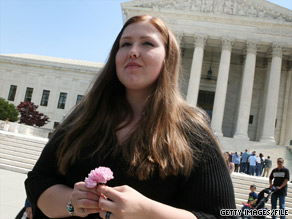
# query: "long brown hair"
[164,137]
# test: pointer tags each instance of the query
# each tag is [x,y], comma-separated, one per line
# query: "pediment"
[246,8]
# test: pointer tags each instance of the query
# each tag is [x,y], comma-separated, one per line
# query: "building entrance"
[206,101]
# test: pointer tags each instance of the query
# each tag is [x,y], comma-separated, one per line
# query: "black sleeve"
[272,175]
[209,188]
[287,174]
[44,174]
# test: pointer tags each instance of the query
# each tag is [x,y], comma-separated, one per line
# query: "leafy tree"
[30,116]
[8,111]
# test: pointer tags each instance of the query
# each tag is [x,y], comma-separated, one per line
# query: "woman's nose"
[134,53]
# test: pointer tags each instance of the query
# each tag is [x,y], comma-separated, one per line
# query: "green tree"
[8,111]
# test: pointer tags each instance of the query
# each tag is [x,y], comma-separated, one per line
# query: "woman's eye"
[148,44]
[125,44]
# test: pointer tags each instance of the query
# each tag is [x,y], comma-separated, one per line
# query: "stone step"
[21,150]
[239,206]
[239,202]
[23,160]
[241,196]
[20,145]
[244,181]
[255,179]
[242,187]
[13,168]
[16,141]
[15,164]
[19,154]
[245,192]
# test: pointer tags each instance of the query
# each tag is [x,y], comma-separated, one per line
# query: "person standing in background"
[279,178]
[244,160]
[236,160]
[259,165]
[267,166]
[228,162]
[252,163]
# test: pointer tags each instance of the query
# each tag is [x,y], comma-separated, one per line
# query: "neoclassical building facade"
[54,84]
[236,65]
[236,62]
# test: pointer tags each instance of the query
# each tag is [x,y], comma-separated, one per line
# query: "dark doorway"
[206,101]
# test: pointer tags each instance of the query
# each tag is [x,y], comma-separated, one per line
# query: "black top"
[279,175]
[207,190]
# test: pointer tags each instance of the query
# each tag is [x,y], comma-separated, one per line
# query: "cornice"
[242,8]
[43,63]
[173,18]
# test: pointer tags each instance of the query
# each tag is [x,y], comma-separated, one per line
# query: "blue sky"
[73,29]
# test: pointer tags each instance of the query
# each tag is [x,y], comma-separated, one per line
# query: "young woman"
[165,158]
[229,163]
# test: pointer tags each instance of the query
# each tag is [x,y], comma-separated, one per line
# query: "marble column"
[270,109]
[288,130]
[221,87]
[287,112]
[241,130]
[196,70]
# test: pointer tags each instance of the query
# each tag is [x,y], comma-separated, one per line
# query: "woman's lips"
[133,65]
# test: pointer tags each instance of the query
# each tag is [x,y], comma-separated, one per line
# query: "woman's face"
[140,56]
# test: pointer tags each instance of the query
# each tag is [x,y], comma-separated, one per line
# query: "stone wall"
[17,128]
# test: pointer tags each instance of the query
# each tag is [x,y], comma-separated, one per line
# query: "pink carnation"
[98,175]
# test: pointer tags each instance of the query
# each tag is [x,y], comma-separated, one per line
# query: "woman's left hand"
[123,202]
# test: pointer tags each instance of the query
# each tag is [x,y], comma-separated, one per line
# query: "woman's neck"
[137,102]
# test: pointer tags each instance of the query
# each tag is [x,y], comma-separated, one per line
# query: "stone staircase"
[19,153]
[242,182]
